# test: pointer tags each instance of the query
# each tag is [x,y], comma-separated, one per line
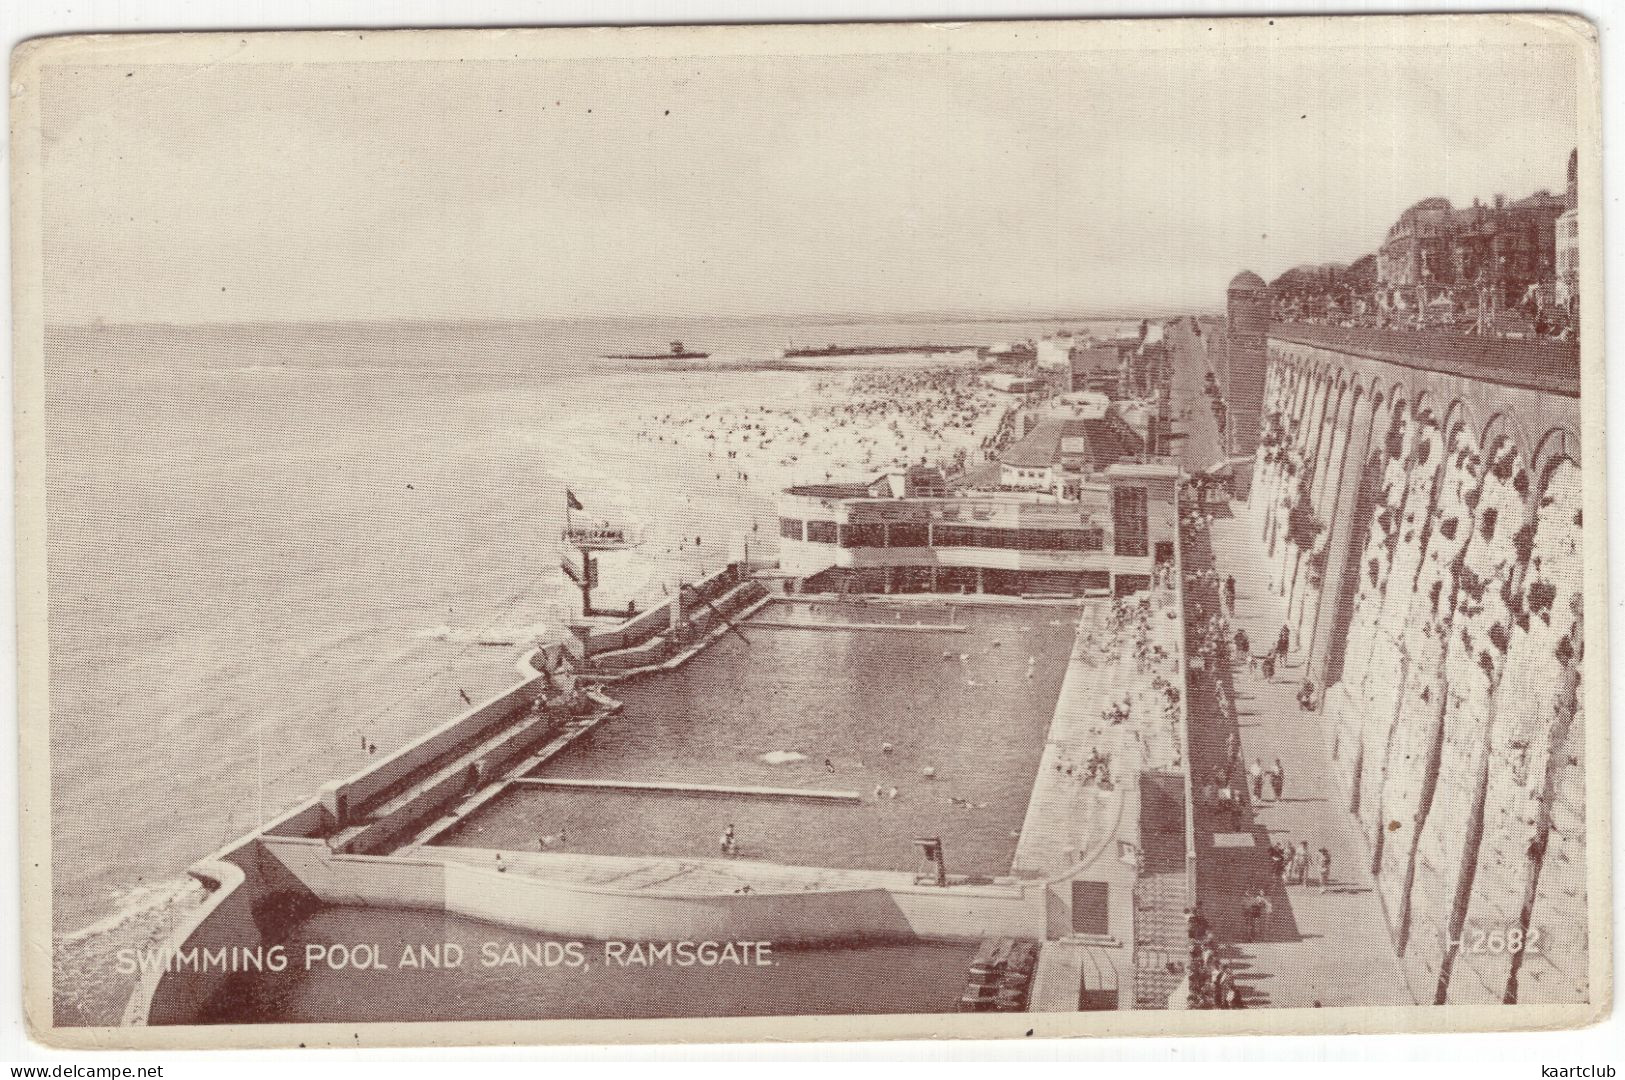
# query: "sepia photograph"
[857,531]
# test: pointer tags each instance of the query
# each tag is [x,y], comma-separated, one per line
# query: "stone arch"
[1501,434]
[1426,404]
[1505,425]
[1393,434]
[1359,393]
[1374,386]
[1460,414]
[1557,445]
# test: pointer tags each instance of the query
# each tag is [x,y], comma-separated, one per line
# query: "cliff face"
[1455,720]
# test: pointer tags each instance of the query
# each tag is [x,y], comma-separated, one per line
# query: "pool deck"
[472,805]
[1069,819]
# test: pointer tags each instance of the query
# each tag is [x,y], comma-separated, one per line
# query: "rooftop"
[831,491]
[1089,359]
[1039,449]
[1097,443]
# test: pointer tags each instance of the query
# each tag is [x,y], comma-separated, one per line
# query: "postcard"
[1007,529]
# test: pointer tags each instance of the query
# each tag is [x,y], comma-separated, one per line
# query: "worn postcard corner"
[811,532]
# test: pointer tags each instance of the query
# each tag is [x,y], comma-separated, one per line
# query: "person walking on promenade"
[1269,666]
[1196,923]
[1257,909]
[1283,644]
[1255,773]
[1244,647]
[1230,806]
[1224,985]
[1230,594]
[1300,859]
[1325,870]
[1294,866]
[1278,860]
[1278,779]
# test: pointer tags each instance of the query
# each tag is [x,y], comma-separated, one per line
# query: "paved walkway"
[1328,947]
[1315,948]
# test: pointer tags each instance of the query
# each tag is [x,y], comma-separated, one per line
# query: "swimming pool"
[865,710]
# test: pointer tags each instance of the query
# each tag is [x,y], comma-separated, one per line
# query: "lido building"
[1101,534]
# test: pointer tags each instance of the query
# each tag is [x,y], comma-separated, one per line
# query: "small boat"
[677,352]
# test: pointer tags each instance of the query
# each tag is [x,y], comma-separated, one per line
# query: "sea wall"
[253,897]
[1420,516]
[347,800]
[699,619]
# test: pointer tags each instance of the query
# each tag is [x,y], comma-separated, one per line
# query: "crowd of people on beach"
[847,428]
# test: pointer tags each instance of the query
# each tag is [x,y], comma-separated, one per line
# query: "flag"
[571,501]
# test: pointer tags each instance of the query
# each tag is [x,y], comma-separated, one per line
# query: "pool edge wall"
[526,902]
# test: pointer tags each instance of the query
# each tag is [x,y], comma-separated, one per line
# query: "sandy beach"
[851,427]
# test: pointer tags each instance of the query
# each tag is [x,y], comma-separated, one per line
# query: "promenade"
[1117,663]
[1316,948]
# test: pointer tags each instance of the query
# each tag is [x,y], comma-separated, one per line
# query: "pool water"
[837,697]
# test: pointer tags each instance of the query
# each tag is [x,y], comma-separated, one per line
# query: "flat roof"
[1149,469]
[831,491]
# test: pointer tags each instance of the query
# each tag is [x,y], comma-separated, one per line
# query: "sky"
[998,183]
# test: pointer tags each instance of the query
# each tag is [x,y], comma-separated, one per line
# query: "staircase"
[1160,938]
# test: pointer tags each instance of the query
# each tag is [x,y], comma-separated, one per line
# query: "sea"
[278,549]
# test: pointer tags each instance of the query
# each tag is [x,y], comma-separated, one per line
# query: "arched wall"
[1443,511]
